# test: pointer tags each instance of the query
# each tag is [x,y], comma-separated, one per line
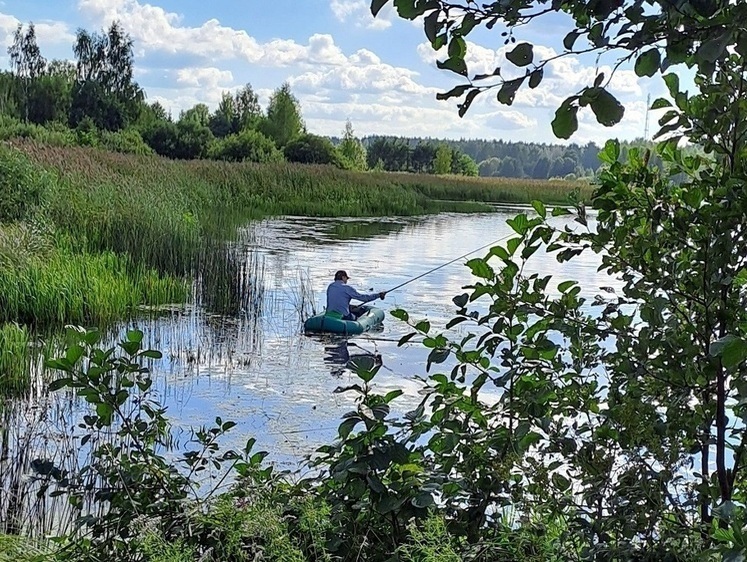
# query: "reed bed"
[15,358]
[90,289]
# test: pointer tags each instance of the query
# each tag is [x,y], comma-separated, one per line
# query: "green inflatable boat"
[371,318]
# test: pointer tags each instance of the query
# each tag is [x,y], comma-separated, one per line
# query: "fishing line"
[449,263]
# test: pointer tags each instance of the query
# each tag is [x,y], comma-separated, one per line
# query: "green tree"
[312,149]
[351,150]
[200,114]
[283,122]
[225,121]
[442,159]
[463,165]
[422,157]
[394,154]
[248,110]
[104,69]
[26,62]
[605,410]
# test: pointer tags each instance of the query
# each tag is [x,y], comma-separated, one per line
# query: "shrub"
[248,145]
[312,149]
[128,141]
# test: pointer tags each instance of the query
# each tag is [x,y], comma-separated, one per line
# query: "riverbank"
[88,235]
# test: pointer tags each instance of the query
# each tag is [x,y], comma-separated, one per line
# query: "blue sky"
[340,61]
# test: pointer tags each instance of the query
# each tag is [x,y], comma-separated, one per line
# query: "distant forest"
[517,159]
[94,100]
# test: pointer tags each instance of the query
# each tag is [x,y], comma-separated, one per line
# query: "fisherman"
[339,295]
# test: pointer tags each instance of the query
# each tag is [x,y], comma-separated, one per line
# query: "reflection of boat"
[371,318]
[339,358]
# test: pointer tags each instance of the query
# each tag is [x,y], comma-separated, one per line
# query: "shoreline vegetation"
[87,235]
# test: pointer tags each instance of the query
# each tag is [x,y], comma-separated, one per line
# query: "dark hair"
[340,274]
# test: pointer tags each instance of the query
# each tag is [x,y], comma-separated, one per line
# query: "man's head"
[341,276]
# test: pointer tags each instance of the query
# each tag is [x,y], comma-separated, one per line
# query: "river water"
[259,369]
[254,365]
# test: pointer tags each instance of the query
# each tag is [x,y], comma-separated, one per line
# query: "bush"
[248,145]
[185,140]
[312,149]
[128,141]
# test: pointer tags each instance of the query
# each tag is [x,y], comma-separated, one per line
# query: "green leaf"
[536,77]
[512,244]
[59,383]
[455,92]
[673,84]
[605,106]
[135,336]
[392,395]
[712,49]
[437,356]
[400,314]
[508,90]
[566,120]
[461,300]
[647,64]
[347,426]
[570,39]
[423,499]
[464,106]
[539,206]
[423,326]
[404,339]
[73,353]
[522,54]
[610,153]
[454,64]
[500,251]
[431,27]
[731,349]
[519,224]
[565,285]
[660,103]
[457,47]
[377,5]
[152,354]
[561,482]
[480,268]
[406,8]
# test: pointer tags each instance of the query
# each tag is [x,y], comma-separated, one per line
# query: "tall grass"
[15,363]
[157,210]
[83,288]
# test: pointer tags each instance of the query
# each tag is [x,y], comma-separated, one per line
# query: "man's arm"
[353,294]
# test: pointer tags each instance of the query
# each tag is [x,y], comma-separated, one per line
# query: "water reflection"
[339,357]
[242,355]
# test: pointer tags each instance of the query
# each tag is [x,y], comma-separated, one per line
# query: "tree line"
[97,97]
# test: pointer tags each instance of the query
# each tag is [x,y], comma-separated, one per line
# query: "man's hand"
[382,294]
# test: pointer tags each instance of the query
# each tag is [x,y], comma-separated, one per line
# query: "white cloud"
[47,32]
[363,72]
[359,13]
[209,78]
[156,30]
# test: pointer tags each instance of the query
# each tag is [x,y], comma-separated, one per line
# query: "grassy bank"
[88,235]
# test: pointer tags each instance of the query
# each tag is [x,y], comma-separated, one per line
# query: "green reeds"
[90,289]
[15,358]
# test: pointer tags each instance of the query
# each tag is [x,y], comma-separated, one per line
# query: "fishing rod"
[448,263]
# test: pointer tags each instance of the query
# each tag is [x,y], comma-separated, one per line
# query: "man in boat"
[339,295]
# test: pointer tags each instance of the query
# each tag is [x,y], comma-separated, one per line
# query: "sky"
[340,61]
